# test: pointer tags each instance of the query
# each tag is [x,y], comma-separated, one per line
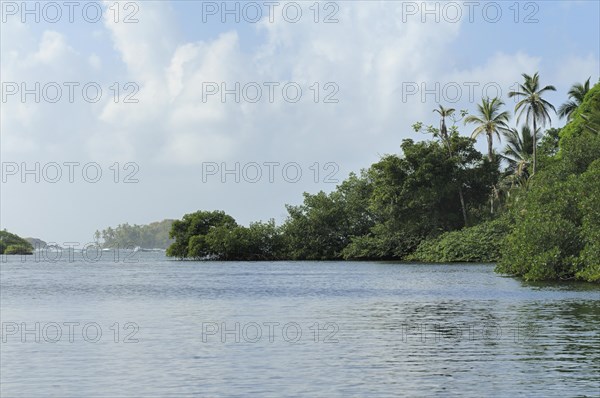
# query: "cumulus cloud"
[583,66]
[173,126]
[364,58]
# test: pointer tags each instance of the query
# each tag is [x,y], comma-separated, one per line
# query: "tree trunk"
[491,158]
[460,191]
[534,146]
[490,147]
[462,204]
[444,130]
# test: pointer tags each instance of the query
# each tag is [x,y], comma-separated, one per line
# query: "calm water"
[383,330]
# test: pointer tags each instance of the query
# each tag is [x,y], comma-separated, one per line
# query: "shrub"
[18,249]
[481,243]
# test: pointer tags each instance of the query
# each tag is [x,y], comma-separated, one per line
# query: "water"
[383,330]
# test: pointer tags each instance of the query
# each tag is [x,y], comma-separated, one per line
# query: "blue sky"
[369,58]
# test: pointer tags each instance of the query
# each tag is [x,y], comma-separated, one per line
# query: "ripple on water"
[367,329]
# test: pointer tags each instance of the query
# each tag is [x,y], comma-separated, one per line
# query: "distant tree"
[444,113]
[153,235]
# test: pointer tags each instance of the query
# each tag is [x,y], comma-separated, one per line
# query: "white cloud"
[367,61]
[95,61]
[576,69]
[52,49]
[368,55]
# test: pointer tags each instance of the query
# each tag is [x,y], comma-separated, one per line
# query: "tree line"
[533,208]
[151,236]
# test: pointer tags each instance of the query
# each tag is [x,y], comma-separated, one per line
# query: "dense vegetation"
[481,243]
[13,244]
[534,208]
[151,236]
[383,213]
[216,235]
[557,228]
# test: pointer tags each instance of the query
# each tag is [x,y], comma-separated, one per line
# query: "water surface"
[328,329]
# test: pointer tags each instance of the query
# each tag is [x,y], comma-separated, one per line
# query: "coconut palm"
[533,106]
[519,150]
[576,95]
[444,113]
[490,121]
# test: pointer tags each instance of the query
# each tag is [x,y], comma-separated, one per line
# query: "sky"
[124,111]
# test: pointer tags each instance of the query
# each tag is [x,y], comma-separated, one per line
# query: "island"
[11,244]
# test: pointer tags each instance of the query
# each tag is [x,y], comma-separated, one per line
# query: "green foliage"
[590,208]
[384,213]
[533,106]
[260,241]
[18,249]
[15,243]
[579,143]
[195,226]
[216,236]
[382,243]
[548,146]
[323,225]
[490,121]
[419,206]
[577,93]
[546,236]
[417,196]
[154,235]
[313,229]
[519,151]
[481,243]
[557,225]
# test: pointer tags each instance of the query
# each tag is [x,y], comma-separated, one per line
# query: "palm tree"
[444,113]
[576,95]
[519,150]
[533,106]
[490,121]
